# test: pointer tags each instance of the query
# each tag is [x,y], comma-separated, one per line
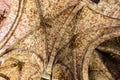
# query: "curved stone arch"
[91,46]
[105,8]
[16,6]
[18,60]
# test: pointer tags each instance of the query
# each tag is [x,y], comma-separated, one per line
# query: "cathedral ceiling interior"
[59,39]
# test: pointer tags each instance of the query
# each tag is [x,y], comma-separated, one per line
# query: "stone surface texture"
[60,40]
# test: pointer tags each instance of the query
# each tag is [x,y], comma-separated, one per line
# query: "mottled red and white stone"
[22,19]
[4,5]
[11,7]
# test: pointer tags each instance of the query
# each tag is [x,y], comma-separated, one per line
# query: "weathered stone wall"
[61,40]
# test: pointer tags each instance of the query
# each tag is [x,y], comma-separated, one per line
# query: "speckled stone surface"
[61,40]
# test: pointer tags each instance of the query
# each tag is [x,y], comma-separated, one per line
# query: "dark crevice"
[118,41]
[2,16]
[112,62]
[4,76]
[95,1]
